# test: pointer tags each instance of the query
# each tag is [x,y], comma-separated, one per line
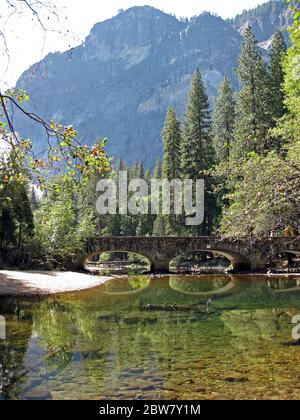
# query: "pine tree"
[141,222]
[171,135]
[224,120]
[138,171]
[145,227]
[196,151]
[113,225]
[129,222]
[7,224]
[276,76]
[159,220]
[159,227]
[148,176]
[158,170]
[34,201]
[22,212]
[253,113]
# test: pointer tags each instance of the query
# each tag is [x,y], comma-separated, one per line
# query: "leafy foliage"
[61,229]
[264,193]
[19,163]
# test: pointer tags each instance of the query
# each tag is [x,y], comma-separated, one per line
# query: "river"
[159,337]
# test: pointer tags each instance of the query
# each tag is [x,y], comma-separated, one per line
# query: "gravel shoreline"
[33,283]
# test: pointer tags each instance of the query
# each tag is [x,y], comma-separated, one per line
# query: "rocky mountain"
[119,83]
[265,20]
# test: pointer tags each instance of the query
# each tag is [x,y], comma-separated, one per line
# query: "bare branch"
[43,13]
[6,50]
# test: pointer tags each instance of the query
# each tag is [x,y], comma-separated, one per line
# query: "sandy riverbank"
[46,282]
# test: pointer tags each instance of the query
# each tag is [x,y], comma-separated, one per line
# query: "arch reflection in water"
[212,286]
[126,286]
[284,285]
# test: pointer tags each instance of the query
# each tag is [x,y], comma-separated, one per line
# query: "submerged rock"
[235,379]
[38,394]
[292,343]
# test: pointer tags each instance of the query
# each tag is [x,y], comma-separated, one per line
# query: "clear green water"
[180,337]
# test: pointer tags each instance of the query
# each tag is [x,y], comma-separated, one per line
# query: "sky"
[27,42]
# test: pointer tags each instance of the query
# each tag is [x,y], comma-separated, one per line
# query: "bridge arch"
[238,262]
[89,256]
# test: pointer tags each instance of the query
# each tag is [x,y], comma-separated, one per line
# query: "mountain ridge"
[265,19]
[121,80]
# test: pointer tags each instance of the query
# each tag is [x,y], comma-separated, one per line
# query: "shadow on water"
[155,337]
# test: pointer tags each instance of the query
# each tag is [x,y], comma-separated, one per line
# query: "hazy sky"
[27,42]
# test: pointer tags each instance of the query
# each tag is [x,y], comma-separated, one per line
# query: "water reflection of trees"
[57,324]
[13,349]
[131,285]
[119,347]
[110,342]
[200,286]
[283,283]
[109,349]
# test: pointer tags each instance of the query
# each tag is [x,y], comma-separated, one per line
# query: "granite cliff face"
[265,20]
[120,82]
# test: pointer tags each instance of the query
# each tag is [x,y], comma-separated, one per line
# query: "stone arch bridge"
[245,254]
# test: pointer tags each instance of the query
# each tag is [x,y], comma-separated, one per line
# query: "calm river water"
[172,337]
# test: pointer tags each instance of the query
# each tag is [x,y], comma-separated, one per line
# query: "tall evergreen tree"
[34,201]
[7,224]
[158,171]
[146,221]
[276,76]
[196,149]
[224,120]
[159,221]
[253,113]
[114,224]
[22,212]
[171,135]
[159,226]
[138,171]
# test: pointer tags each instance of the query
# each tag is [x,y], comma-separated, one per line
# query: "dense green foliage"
[16,217]
[264,194]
